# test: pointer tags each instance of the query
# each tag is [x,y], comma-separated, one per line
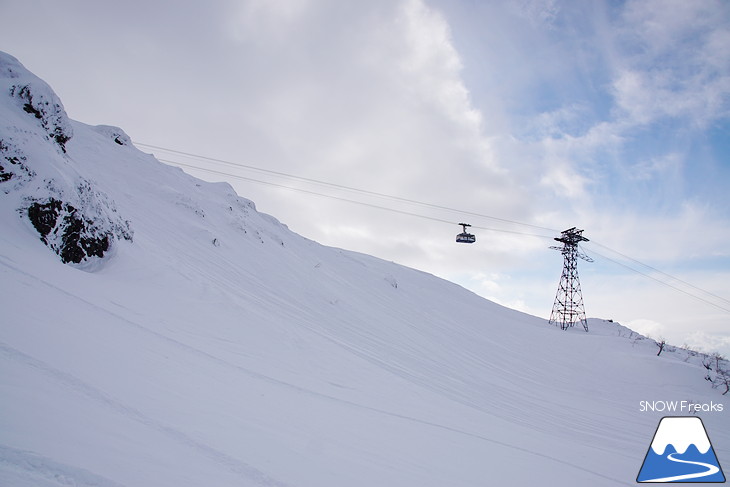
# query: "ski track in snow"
[232,463]
[105,400]
[21,468]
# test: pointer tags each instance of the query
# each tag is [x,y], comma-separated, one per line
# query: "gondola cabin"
[465,237]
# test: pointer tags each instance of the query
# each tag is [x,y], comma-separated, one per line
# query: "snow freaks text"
[686,407]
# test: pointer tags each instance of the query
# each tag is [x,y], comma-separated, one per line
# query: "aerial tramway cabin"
[465,237]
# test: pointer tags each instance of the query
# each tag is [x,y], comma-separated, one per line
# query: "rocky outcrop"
[72,217]
[70,232]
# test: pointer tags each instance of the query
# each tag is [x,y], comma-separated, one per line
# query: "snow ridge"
[74,219]
[36,98]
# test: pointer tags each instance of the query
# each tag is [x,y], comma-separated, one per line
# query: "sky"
[378,126]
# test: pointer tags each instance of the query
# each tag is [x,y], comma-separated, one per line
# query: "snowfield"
[211,346]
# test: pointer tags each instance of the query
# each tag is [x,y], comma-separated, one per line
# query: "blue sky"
[609,116]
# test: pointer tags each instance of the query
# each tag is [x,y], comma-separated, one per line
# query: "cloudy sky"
[523,118]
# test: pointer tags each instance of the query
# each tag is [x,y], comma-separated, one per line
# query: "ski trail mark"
[28,468]
[74,383]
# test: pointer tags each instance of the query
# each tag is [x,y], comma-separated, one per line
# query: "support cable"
[338,186]
[417,215]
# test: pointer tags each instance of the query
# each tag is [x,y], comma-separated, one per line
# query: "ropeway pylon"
[568,308]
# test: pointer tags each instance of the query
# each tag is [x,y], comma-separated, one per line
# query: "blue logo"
[681,452]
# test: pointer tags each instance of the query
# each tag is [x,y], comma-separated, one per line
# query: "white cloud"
[659,311]
[564,181]
[699,340]
[433,67]
[538,11]
[677,66]
[369,95]
[648,328]
[272,19]
[658,167]
[634,154]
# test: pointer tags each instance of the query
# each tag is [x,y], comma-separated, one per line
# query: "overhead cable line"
[343,187]
[417,215]
[684,291]
[653,269]
[339,198]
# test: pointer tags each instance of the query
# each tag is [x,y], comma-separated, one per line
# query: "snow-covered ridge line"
[37,99]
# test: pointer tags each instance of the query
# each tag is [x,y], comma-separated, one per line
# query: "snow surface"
[218,348]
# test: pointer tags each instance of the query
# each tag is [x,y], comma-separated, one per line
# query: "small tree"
[718,359]
[707,363]
[661,344]
[722,378]
[722,375]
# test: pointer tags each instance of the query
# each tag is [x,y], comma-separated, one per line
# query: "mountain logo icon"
[681,452]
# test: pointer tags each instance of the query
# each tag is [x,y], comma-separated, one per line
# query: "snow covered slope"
[190,340]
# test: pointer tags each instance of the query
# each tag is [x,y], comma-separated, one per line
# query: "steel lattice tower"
[568,308]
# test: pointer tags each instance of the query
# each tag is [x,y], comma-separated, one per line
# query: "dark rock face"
[114,133]
[12,166]
[63,228]
[49,112]
[44,216]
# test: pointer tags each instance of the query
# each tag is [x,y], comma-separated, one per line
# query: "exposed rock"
[13,166]
[116,134]
[47,108]
[69,233]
